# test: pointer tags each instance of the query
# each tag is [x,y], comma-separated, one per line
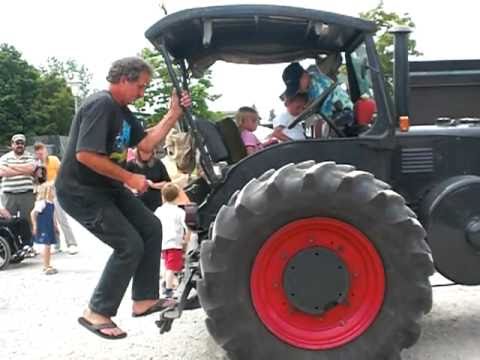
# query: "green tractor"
[317,249]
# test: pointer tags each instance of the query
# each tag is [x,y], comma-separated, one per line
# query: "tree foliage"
[32,101]
[69,70]
[53,108]
[384,40]
[17,94]
[157,95]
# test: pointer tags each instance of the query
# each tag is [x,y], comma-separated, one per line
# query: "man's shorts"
[173,259]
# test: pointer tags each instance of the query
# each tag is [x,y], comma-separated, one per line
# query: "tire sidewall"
[8,255]
[315,191]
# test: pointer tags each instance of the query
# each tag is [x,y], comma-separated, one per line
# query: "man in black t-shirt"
[90,187]
[157,176]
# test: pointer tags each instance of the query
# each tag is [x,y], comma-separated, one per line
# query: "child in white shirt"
[175,235]
[294,107]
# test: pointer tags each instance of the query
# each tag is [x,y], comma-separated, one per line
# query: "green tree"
[32,102]
[384,40]
[67,70]
[18,90]
[53,107]
[157,95]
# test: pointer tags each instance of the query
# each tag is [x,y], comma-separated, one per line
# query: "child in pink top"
[247,120]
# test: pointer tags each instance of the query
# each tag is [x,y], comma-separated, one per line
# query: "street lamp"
[74,82]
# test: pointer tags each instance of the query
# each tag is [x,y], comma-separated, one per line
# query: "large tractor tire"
[449,213]
[318,262]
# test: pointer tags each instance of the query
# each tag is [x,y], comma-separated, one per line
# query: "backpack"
[181,149]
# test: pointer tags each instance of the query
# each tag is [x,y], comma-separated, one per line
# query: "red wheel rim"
[344,322]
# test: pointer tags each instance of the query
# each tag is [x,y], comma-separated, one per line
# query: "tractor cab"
[338,47]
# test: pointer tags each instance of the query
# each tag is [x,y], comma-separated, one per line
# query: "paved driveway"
[38,317]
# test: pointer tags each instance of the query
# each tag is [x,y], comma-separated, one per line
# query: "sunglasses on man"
[19,142]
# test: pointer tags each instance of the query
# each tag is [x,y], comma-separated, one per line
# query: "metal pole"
[75,100]
[199,142]
[401,71]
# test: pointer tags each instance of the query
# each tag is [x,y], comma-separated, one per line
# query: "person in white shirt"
[175,235]
[294,107]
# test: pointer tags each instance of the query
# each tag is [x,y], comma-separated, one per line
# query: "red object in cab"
[364,110]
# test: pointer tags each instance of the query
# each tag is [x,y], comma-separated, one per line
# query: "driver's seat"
[232,139]
[222,140]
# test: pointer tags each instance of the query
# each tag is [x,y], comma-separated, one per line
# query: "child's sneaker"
[168,293]
[72,250]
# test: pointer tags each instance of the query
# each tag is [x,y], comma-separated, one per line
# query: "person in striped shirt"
[16,170]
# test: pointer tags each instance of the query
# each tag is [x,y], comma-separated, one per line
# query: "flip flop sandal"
[96,329]
[50,271]
[160,305]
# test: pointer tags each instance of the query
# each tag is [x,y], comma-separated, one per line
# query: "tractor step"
[167,316]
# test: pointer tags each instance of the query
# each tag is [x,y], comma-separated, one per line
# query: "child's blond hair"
[240,115]
[170,192]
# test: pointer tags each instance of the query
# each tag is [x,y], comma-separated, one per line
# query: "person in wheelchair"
[15,230]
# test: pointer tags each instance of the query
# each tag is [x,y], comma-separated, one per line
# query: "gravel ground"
[38,318]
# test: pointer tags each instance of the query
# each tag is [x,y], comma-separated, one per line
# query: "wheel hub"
[473,233]
[316,280]
[338,319]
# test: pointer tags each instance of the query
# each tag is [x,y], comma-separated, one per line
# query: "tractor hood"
[254,34]
[466,127]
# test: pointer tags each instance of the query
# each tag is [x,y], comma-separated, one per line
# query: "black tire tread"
[224,289]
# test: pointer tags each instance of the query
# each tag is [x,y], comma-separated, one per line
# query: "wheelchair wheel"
[5,253]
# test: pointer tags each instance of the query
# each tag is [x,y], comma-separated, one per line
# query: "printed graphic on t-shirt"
[122,141]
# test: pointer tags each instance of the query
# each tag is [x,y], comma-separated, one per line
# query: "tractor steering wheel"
[314,106]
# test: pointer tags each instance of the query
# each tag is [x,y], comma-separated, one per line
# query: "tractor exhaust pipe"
[401,72]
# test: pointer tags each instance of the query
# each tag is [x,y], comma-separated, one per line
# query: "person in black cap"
[313,82]
[296,80]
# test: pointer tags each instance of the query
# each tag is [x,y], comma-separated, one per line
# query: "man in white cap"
[16,169]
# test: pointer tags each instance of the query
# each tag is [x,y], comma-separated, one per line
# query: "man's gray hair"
[131,67]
